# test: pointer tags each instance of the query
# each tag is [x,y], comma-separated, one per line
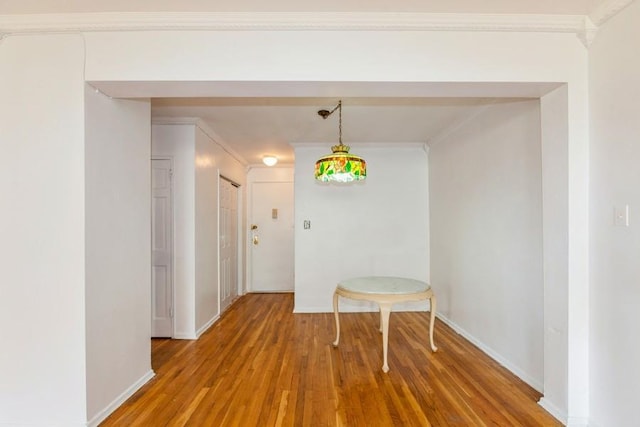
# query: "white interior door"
[228,225]
[271,237]
[162,250]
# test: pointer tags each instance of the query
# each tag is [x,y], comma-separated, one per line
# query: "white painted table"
[385,291]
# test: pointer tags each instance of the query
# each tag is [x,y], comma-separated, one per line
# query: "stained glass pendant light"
[339,166]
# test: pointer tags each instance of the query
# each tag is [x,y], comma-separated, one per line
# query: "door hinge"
[171,312]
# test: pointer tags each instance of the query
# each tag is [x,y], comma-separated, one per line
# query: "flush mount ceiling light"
[270,160]
[340,166]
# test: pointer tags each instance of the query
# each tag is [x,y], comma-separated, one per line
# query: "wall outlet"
[306,224]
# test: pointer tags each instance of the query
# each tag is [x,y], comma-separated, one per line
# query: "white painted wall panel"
[206,231]
[614,85]
[555,248]
[352,56]
[486,233]
[118,247]
[42,360]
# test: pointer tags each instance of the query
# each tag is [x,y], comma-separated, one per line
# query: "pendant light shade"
[339,166]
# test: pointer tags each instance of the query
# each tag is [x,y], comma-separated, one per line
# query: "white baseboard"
[494,355]
[579,422]
[184,336]
[206,326]
[308,309]
[553,410]
[102,415]
[281,291]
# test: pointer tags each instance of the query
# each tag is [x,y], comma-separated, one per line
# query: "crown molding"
[204,127]
[360,145]
[606,10]
[585,27]
[290,21]
[589,32]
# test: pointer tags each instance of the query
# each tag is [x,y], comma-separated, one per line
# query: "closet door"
[161,249]
[228,243]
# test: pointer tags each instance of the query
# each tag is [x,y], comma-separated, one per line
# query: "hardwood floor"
[261,365]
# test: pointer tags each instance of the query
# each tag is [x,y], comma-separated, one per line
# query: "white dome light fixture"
[270,160]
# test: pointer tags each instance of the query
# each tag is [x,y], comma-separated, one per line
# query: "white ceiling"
[255,127]
[372,112]
[265,120]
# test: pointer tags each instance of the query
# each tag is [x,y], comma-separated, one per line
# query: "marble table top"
[383,285]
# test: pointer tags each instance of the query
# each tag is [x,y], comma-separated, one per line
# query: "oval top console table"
[385,291]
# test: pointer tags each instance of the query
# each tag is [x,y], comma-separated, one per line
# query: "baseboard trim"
[207,325]
[553,410]
[493,354]
[312,310]
[102,415]
[185,336]
[579,422]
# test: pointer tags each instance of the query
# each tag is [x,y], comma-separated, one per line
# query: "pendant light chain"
[340,122]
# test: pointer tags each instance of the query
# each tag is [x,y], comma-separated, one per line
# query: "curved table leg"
[432,322]
[335,313]
[385,311]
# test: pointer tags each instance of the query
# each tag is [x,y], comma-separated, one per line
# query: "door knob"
[255,240]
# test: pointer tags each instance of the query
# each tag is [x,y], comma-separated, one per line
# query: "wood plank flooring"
[261,365]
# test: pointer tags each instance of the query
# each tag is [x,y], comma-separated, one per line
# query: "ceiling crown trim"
[204,127]
[293,21]
[606,10]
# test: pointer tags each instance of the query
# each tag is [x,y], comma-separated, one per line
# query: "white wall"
[486,233]
[42,361]
[270,174]
[614,71]
[206,232]
[346,56]
[177,142]
[376,227]
[554,117]
[118,249]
